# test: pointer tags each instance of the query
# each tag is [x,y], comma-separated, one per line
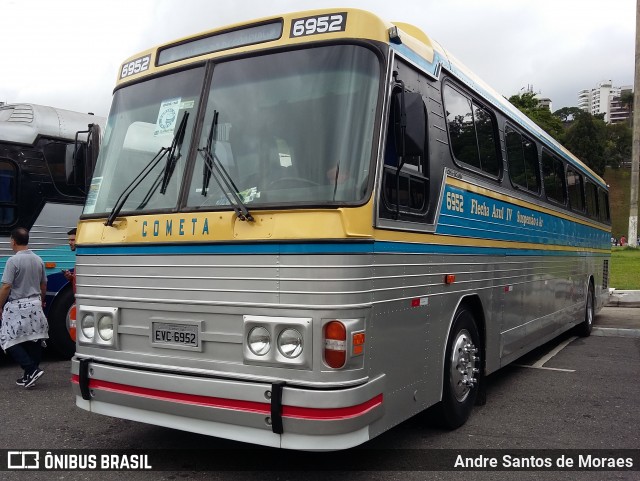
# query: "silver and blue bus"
[46,162]
[305,229]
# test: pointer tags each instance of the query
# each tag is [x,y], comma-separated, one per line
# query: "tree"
[567,114]
[618,145]
[527,103]
[524,101]
[586,138]
[626,99]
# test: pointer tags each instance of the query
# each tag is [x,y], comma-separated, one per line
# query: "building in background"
[621,112]
[605,99]
[545,103]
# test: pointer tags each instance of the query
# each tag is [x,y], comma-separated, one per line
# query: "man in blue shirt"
[24,325]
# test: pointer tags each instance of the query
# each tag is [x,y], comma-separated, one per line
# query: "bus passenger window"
[591,198]
[472,130]
[574,184]
[7,193]
[461,129]
[553,175]
[486,140]
[603,206]
[522,156]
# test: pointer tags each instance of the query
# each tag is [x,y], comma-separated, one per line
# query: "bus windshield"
[144,119]
[292,127]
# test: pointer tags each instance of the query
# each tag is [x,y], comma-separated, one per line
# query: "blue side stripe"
[319,248]
[482,217]
[250,249]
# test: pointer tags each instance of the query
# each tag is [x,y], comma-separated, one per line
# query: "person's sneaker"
[21,381]
[33,377]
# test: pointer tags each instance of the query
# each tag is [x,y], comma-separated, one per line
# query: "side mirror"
[93,149]
[410,124]
[80,158]
[74,161]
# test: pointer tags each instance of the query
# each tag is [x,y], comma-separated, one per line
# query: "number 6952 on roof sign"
[318,24]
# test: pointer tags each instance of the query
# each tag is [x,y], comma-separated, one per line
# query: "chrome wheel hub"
[463,365]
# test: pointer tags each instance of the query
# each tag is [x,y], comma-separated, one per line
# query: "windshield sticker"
[92,195]
[188,104]
[167,117]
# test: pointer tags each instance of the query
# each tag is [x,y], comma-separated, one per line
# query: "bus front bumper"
[276,414]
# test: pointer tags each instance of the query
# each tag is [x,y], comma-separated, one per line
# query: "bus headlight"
[278,341]
[105,328]
[259,341]
[88,326]
[98,326]
[290,343]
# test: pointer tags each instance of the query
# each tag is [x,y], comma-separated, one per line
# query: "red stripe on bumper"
[324,414]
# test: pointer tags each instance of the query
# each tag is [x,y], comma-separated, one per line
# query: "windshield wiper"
[165,174]
[172,159]
[211,141]
[122,199]
[211,162]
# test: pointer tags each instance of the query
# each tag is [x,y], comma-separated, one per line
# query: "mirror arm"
[75,155]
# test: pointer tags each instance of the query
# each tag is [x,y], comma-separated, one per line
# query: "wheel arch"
[475,305]
[452,412]
[55,299]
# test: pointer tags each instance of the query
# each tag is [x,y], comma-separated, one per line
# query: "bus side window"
[522,157]
[576,190]
[8,201]
[405,191]
[591,197]
[554,179]
[603,206]
[473,132]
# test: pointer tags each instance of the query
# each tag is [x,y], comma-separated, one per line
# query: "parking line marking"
[545,368]
[544,359]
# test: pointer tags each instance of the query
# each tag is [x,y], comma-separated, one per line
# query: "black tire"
[463,349]
[585,327]
[59,336]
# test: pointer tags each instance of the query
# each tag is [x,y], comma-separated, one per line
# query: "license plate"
[175,336]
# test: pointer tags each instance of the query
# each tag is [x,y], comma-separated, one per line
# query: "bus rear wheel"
[462,368]
[585,327]
[60,324]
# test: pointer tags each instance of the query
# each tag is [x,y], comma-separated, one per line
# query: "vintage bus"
[46,161]
[303,230]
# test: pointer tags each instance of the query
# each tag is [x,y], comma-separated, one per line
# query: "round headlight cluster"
[105,328]
[259,341]
[88,326]
[290,343]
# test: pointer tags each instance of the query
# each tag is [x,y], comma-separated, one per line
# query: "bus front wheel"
[462,369]
[60,324]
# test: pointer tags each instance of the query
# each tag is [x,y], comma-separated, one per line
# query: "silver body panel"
[405,342]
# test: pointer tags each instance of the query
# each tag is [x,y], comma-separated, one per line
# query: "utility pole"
[635,149]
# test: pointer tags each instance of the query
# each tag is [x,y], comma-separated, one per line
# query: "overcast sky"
[67,53]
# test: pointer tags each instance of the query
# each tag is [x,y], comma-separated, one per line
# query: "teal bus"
[46,162]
